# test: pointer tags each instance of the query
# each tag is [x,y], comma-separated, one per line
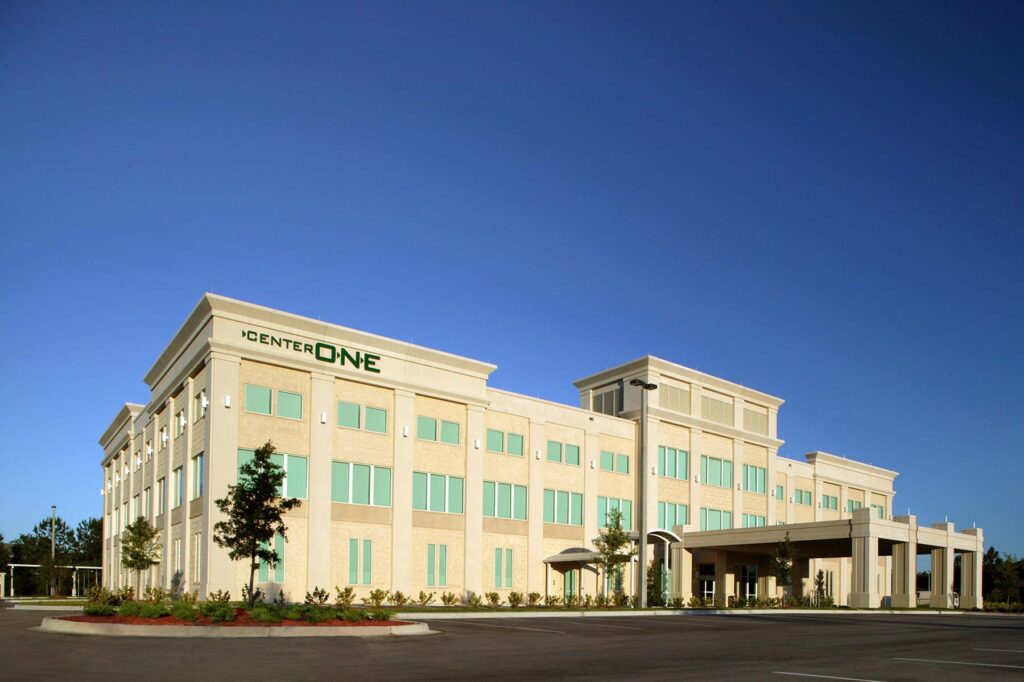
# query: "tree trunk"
[252,575]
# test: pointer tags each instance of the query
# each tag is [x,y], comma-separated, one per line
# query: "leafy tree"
[139,548]
[88,542]
[5,554]
[254,512]
[782,562]
[34,548]
[613,549]
[1007,579]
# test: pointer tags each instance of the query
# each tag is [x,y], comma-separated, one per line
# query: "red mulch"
[241,619]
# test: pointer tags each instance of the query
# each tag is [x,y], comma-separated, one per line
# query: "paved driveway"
[764,646]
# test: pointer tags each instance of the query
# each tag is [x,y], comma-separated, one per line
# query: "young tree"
[613,549]
[782,562]
[254,509]
[819,586]
[139,548]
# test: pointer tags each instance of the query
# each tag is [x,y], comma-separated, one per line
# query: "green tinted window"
[279,550]
[426,428]
[419,490]
[488,498]
[455,491]
[515,444]
[549,506]
[348,415]
[504,501]
[339,482]
[572,454]
[298,476]
[257,399]
[450,433]
[519,502]
[278,459]
[244,457]
[576,509]
[376,419]
[367,562]
[498,555]
[622,463]
[626,507]
[607,461]
[495,441]
[602,512]
[554,451]
[360,484]
[430,565]
[353,561]
[382,486]
[437,493]
[289,405]
[562,507]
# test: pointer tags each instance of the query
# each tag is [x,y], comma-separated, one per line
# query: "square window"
[622,463]
[376,419]
[554,451]
[450,433]
[289,405]
[257,399]
[607,461]
[572,454]
[515,444]
[426,428]
[495,441]
[348,415]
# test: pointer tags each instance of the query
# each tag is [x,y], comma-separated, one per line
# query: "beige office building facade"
[414,474]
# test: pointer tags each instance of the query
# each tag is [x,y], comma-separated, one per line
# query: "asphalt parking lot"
[768,646]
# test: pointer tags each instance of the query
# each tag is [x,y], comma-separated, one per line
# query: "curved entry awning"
[573,555]
[655,535]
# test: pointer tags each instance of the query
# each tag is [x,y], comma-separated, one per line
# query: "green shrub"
[551,600]
[354,616]
[571,601]
[316,613]
[318,596]
[533,599]
[379,614]
[448,598]
[220,597]
[515,599]
[98,609]
[425,598]
[183,611]
[493,599]
[293,612]
[473,600]
[601,600]
[148,610]
[123,594]
[130,609]
[399,599]
[675,602]
[344,598]
[587,602]
[218,612]
[264,613]
[378,597]
[187,597]
[257,592]
[155,594]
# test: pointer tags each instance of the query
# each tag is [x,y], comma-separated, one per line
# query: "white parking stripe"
[826,677]
[504,627]
[586,621]
[679,623]
[983,665]
[1005,651]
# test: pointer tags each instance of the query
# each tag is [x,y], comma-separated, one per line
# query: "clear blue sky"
[824,201]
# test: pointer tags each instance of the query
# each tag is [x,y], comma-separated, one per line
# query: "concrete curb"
[69,627]
[690,613]
[32,607]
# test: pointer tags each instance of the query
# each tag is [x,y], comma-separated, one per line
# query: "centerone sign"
[324,352]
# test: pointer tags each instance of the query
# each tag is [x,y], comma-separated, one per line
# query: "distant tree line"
[81,546]
[1002,577]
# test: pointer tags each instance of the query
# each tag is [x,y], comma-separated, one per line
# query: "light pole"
[641,515]
[53,551]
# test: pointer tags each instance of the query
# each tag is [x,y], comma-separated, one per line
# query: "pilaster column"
[695,482]
[537,574]
[221,443]
[725,581]
[684,571]
[474,498]
[904,567]
[737,476]
[401,496]
[942,578]
[321,447]
[970,572]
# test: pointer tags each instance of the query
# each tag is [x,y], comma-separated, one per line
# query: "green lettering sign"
[322,351]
